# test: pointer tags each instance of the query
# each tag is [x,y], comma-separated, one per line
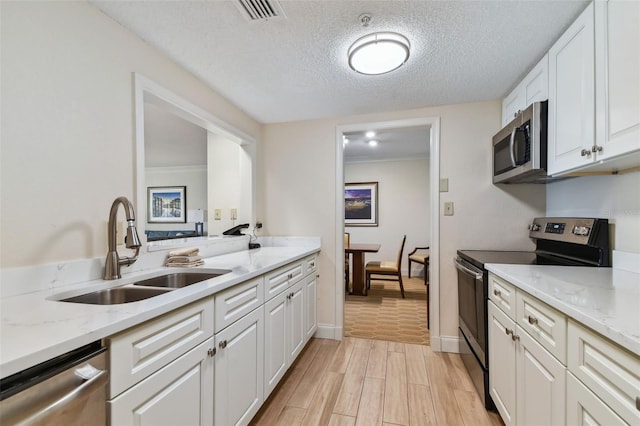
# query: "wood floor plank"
[396,408]
[273,407]
[342,356]
[474,412]
[291,416]
[396,347]
[416,368]
[457,372]
[421,412]
[444,401]
[377,365]
[363,343]
[371,407]
[339,420]
[349,396]
[310,382]
[382,345]
[321,407]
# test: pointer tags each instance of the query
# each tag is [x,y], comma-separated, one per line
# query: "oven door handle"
[461,267]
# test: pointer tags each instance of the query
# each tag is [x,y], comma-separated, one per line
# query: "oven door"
[472,307]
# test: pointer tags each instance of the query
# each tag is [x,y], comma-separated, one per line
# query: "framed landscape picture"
[166,204]
[361,204]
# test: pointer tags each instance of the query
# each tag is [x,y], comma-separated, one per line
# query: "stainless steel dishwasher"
[70,389]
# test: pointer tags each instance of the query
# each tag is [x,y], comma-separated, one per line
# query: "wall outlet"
[448,208]
[234,214]
[217,214]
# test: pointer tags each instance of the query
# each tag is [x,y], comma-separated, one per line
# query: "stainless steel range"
[559,241]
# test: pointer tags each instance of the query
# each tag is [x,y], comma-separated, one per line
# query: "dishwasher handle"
[460,265]
[88,386]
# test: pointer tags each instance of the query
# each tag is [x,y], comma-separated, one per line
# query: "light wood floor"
[373,382]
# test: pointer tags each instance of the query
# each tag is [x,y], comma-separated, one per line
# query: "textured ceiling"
[295,68]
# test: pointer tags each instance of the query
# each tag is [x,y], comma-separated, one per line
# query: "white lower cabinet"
[180,393]
[239,370]
[310,301]
[526,381]
[585,408]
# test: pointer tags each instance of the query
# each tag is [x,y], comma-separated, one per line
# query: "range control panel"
[571,230]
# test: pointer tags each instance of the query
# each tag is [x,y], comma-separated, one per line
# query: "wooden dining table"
[358,251]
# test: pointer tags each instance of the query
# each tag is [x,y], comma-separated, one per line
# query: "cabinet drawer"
[280,279]
[503,295]
[609,371]
[237,301]
[584,408]
[546,325]
[139,351]
[310,265]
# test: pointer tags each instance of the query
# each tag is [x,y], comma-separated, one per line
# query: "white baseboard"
[445,344]
[328,332]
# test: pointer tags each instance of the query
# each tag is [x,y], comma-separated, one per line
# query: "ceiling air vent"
[257,10]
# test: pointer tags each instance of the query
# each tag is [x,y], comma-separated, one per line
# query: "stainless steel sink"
[179,279]
[117,295]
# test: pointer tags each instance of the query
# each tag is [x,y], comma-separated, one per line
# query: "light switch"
[444,185]
[448,208]
[234,214]
[217,214]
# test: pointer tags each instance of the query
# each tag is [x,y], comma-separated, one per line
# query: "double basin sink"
[144,289]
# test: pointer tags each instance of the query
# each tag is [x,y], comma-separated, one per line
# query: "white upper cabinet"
[617,27]
[594,91]
[533,88]
[571,133]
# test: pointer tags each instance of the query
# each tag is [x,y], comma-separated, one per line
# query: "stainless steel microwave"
[520,148]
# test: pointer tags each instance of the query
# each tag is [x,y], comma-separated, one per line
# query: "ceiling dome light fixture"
[373,143]
[378,53]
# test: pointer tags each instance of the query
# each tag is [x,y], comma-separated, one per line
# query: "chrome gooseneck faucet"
[113,262]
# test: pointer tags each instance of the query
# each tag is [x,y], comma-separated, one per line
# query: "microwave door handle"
[512,147]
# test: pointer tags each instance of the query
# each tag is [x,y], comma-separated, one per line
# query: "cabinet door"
[585,408]
[179,393]
[512,104]
[239,370]
[502,364]
[617,77]
[310,298]
[541,384]
[276,348]
[296,320]
[536,84]
[571,96]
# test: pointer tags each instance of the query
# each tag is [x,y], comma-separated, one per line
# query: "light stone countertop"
[36,328]
[606,300]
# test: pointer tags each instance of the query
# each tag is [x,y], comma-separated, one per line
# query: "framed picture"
[361,204]
[166,204]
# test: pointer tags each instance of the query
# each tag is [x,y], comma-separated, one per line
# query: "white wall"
[615,197]
[68,126]
[298,193]
[403,206]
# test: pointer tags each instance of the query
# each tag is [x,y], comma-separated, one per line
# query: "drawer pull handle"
[496,292]
[532,320]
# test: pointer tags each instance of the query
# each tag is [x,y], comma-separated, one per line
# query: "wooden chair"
[347,238]
[421,255]
[386,269]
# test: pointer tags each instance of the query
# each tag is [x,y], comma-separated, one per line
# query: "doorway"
[390,223]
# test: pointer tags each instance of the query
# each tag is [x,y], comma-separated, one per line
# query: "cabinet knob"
[638,403]
[532,320]
[508,332]
[212,352]
[496,292]
[596,148]
[222,344]
[514,337]
[317,275]
[585,153]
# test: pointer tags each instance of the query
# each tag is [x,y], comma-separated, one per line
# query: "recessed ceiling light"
[373,143]
[370,134]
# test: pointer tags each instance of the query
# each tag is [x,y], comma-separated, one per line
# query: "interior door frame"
[434,186]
